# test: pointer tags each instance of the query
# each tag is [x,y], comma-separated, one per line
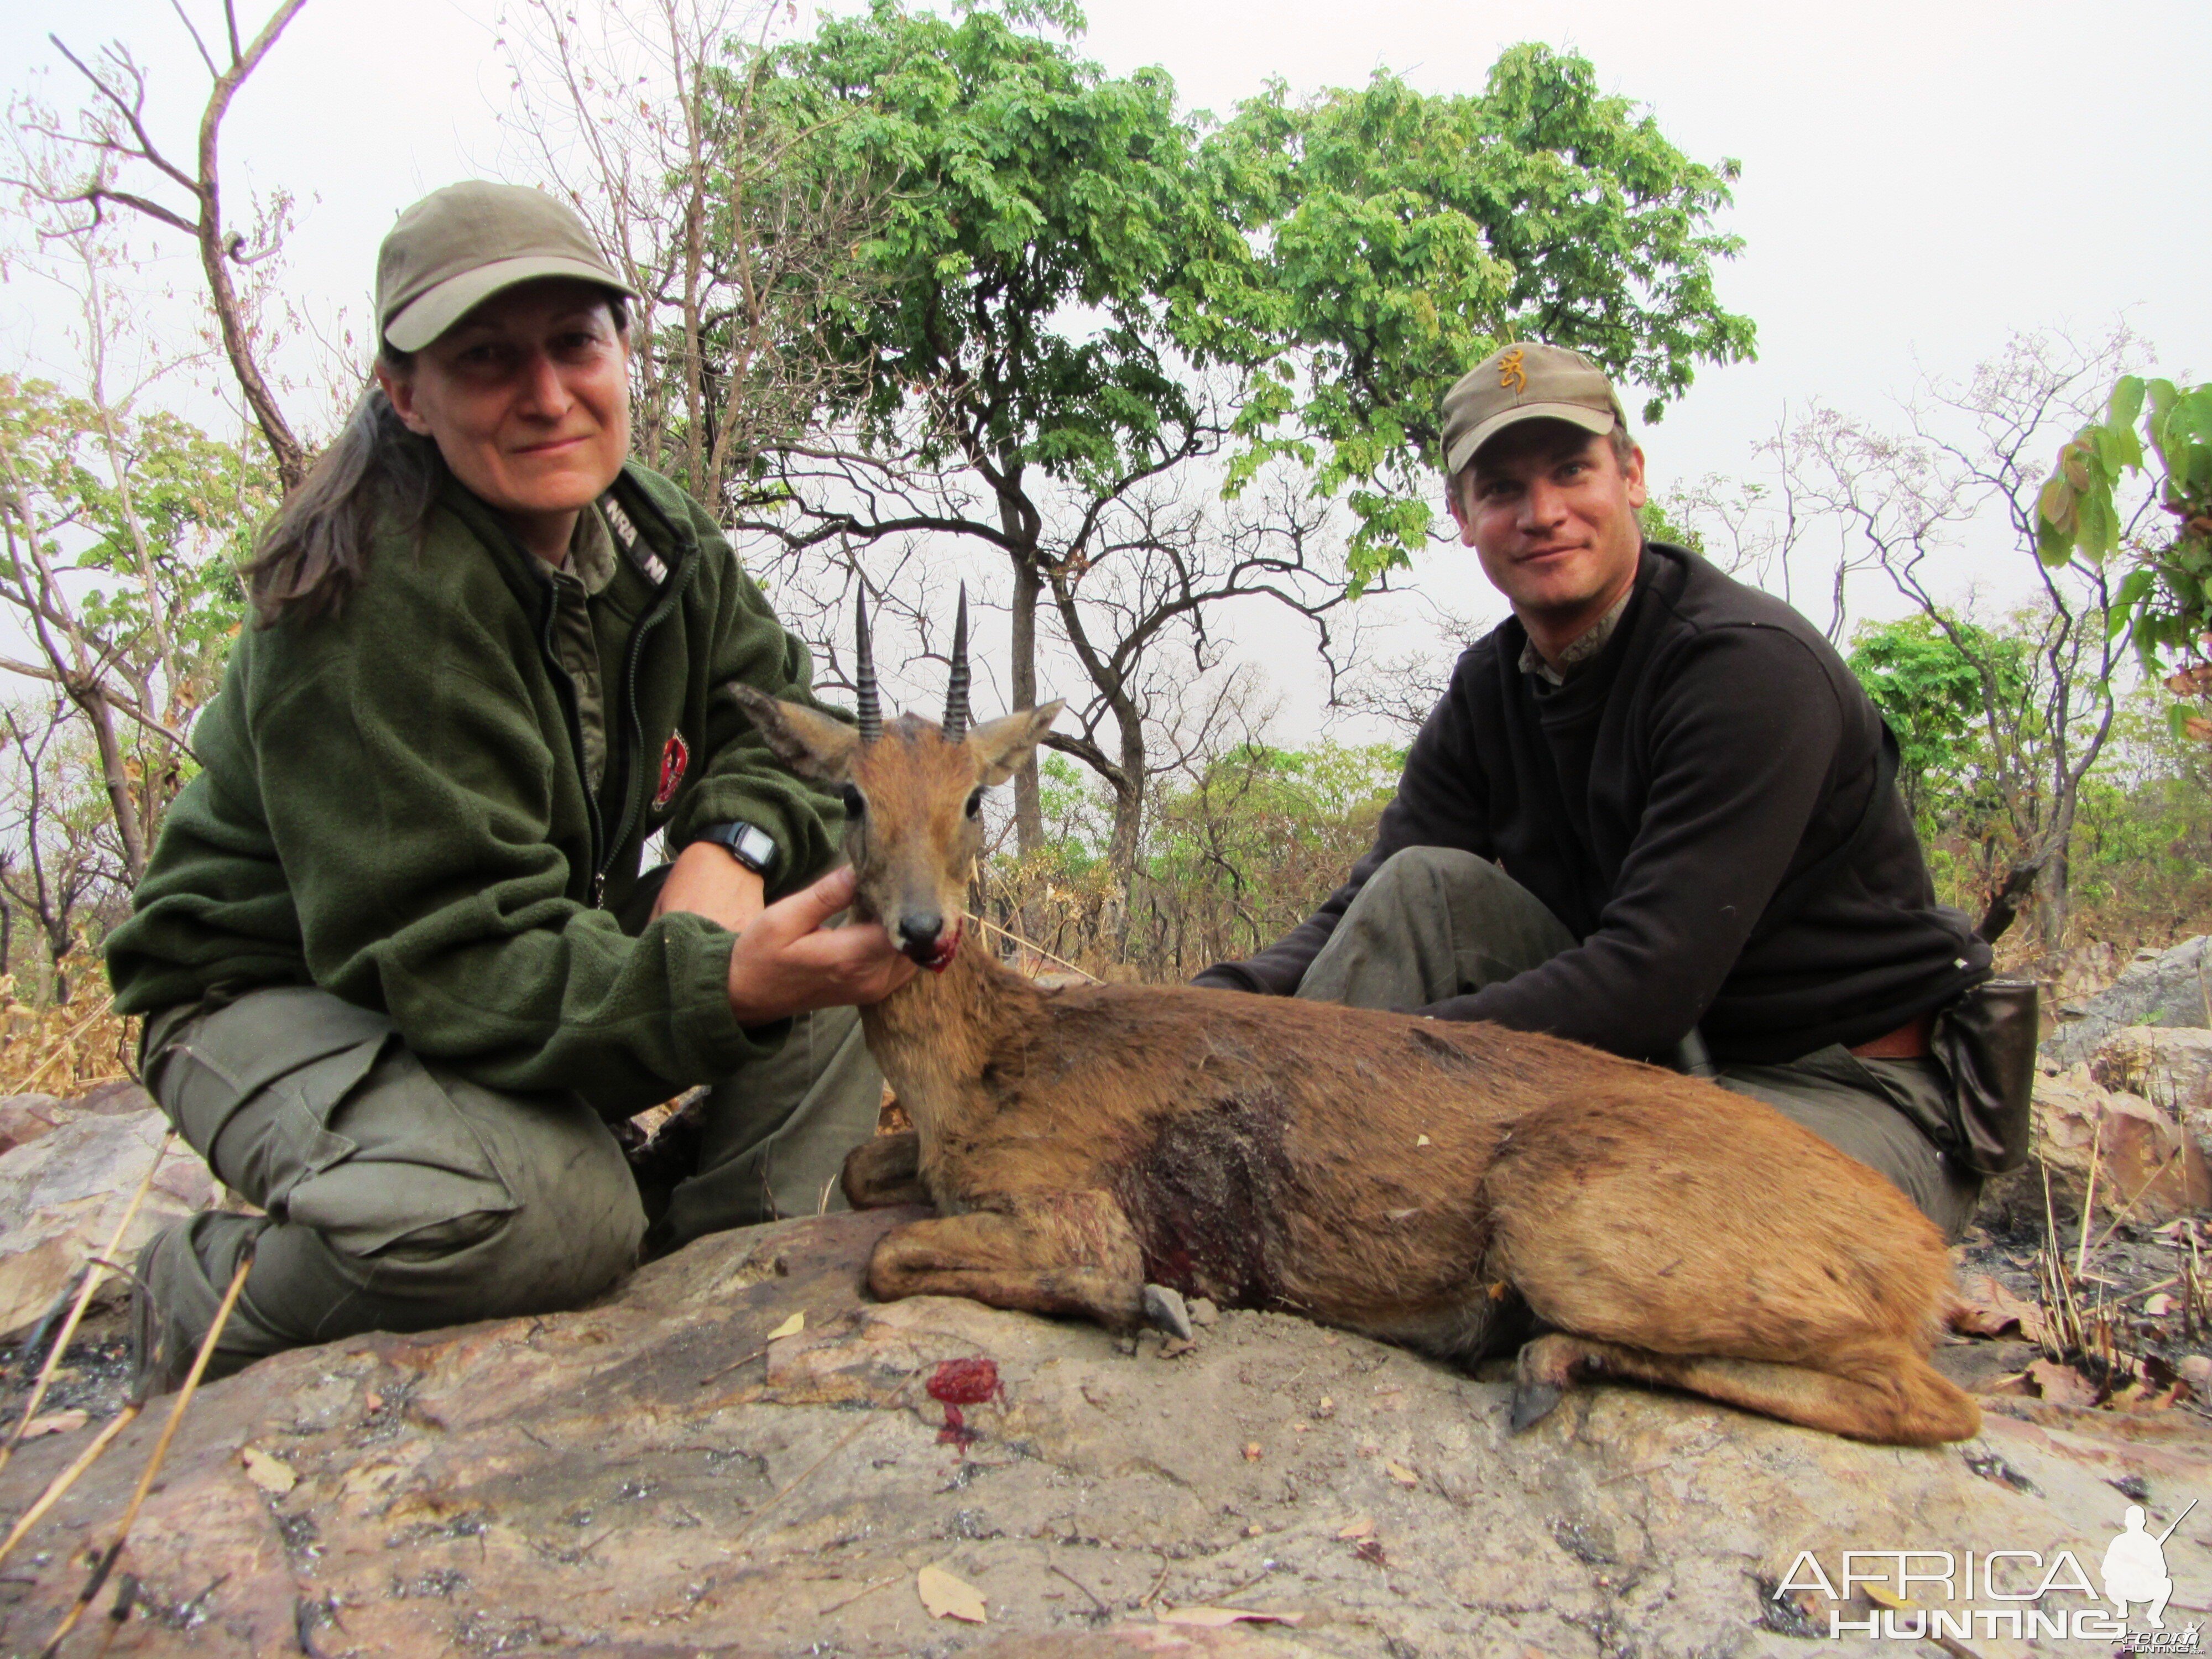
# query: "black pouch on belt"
[1987,1040]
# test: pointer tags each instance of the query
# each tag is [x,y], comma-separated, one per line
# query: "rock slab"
[2149,1167]
[62,1194]
[2171,988]
[739,1454]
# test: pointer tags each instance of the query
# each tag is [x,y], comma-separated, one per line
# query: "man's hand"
[788,962]
[707,882]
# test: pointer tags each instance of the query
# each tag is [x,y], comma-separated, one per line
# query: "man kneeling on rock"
[1655,813]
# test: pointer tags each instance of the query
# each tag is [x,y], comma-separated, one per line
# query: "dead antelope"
[1427,1182]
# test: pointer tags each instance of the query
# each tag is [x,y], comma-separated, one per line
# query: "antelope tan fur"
[1427,1182]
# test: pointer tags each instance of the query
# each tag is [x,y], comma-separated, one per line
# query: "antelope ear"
[1001,745]
[810,743]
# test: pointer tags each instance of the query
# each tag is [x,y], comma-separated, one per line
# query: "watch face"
[754,848]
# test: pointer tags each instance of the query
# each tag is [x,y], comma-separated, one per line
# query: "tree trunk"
[1029,808]
[1128,803]
[117,778]
[58,946]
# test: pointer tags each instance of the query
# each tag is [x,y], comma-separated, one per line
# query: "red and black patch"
[675,756]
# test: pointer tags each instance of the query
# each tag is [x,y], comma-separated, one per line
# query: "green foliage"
[1660,526]
[2164,592]
[1045,247]
[1931,689]
[1402,237]
[2141,856]
[1229,861]
[1063,251]
[197,503]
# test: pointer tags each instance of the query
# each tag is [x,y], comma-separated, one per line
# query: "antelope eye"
[974,803]
[856,805]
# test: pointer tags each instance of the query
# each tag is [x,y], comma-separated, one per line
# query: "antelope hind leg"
[884,1171]
[1883,1392]
[1065,1253]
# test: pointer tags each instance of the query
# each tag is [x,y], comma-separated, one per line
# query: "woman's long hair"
[377,475]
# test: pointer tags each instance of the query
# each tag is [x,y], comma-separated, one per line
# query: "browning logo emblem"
[1510,374]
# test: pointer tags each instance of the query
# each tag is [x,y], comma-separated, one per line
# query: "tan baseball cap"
[1525,383]
[459,245]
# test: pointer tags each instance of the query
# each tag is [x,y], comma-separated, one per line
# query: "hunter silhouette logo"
[2135,1567]
[1510,372]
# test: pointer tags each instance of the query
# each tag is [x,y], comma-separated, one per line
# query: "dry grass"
[62,1049]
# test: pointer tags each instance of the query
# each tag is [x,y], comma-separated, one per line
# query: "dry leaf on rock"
[947,1597]
[1402,1474]
[1360,1526]
[1986,1308]
[791,1326]
[1220,1618]
[2060,1384]
[271,1475]
[55,1423]
[2160,1305]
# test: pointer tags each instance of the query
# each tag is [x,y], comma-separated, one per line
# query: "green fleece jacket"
[394,808]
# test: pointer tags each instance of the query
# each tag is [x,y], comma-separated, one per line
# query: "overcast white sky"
[1920,177]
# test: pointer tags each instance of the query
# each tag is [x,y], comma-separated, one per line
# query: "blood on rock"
[957,1382]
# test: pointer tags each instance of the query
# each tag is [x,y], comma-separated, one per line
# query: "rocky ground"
[665,1475]
[737,1453]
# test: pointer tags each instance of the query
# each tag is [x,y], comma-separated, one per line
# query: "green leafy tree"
[1403,237]
[1071,282]
[121,533]
[1038,319]
[1928,686]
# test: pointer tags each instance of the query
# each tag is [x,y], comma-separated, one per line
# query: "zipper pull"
[599,888]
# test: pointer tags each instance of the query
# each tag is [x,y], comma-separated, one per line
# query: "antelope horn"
[871,708]
[956,694]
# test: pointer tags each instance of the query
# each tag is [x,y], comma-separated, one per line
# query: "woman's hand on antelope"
[787,962]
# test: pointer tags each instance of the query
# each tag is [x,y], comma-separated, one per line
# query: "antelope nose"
[918,934]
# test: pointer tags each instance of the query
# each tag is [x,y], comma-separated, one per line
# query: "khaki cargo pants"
[400,1196]
[1435,922]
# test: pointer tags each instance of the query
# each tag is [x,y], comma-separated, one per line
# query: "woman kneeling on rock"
[399,967]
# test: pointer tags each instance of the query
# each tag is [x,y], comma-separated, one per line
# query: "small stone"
[2197,1367]
[1252,1452]
[1203,1312]
[1326,1408]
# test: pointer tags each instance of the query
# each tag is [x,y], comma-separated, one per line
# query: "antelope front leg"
[885,1171]
[1054,1253]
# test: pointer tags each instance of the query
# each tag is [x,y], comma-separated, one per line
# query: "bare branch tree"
[1965,471]
[122,163]
[647,118]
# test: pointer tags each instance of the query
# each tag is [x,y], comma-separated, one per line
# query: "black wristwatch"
[748,843]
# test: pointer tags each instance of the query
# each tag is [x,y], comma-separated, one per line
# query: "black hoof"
[1533,1403]
[1164,1308]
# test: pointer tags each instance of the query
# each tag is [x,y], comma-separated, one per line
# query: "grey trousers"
[400,1196]
[1434,922]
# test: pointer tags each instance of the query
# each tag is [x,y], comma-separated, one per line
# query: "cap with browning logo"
[1525,383]
[459,245]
